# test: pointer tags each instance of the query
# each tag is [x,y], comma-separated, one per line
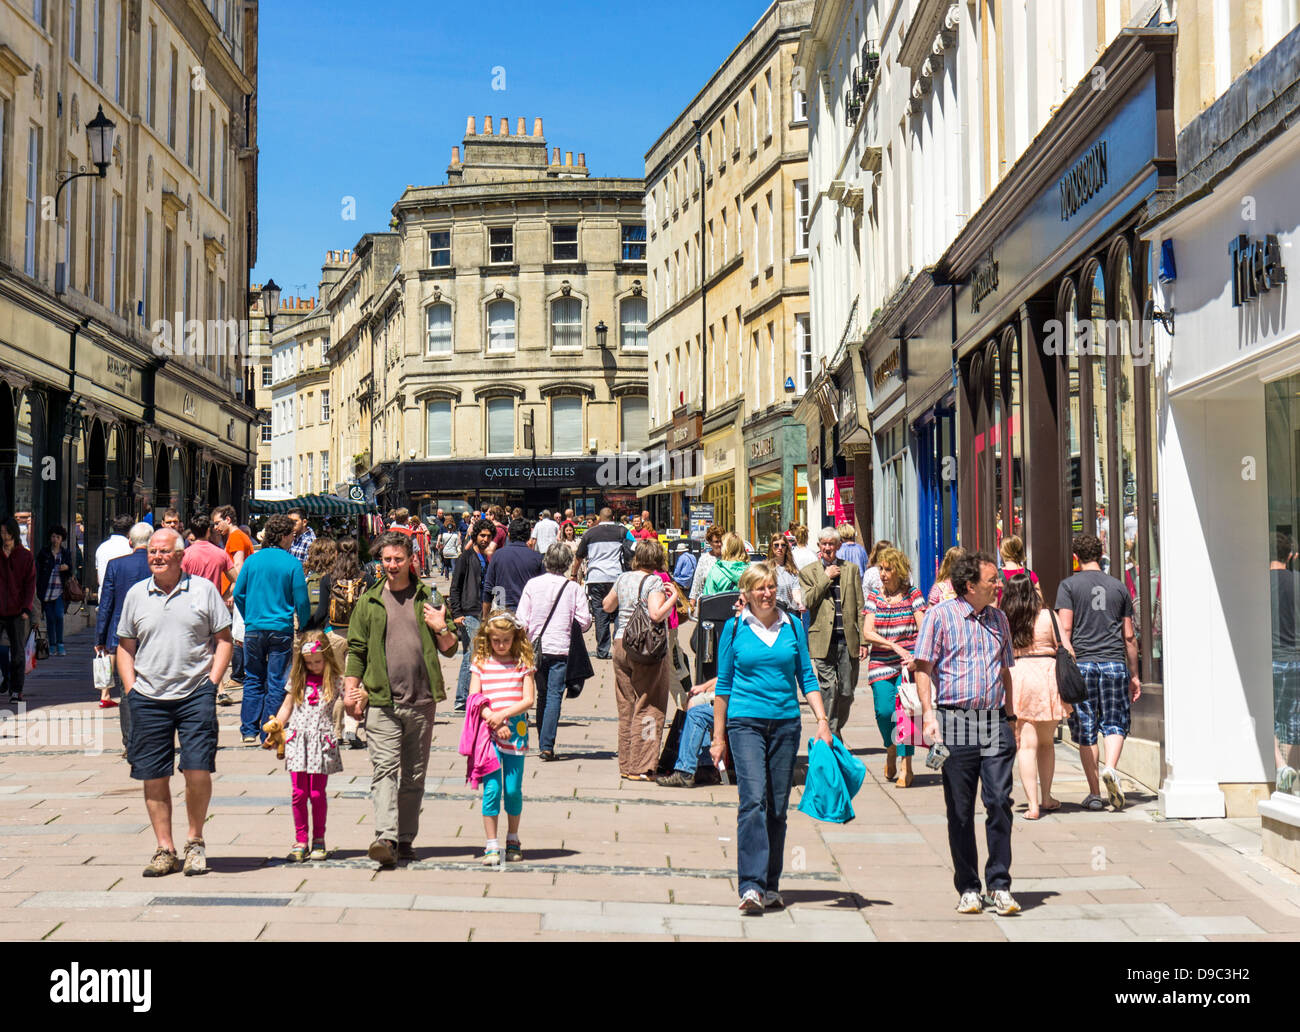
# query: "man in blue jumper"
[270,592]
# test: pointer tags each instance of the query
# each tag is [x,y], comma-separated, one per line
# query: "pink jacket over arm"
[476,742]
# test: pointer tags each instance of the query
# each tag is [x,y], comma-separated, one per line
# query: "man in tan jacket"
[833,595]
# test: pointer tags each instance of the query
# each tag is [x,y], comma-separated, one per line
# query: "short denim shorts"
[156,724]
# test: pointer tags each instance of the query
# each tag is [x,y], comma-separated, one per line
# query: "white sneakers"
[970,903]
[1110,779]
[1001,902]
[751,903]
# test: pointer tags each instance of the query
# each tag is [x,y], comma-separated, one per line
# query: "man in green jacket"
[396,632]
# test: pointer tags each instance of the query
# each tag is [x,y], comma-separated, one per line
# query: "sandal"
[298,853]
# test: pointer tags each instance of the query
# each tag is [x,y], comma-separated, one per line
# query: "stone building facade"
[509,352]
[98,414]
[726,212]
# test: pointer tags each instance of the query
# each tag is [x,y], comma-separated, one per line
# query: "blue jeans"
[551,671]
[763,753]
[267,655]
[467,633]
[54,621]
[693,746]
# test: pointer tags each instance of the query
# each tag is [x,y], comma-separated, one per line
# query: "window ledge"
[440,356]
[753,153]
[768,138]
[767,273]
[753,280]
[735,153]
[709,180]
[722,167]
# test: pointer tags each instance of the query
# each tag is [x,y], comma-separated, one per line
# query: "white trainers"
[1110,779]
[751,903]
[1004,903]
[196,857]
[970,903]
[773,901]
[1286,779]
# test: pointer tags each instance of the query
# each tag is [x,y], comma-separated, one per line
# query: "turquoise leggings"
[885,693]
[512,767]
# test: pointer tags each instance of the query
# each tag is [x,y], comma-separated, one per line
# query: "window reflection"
[1282,420]
[1097,363]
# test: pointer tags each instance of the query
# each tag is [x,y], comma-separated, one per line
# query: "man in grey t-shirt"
[1095,612]
[545,533]
[173,648]
[602,548]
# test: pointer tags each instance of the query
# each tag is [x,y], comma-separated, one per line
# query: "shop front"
[1055,397]
[585,485]
[778,477]
[1229,451]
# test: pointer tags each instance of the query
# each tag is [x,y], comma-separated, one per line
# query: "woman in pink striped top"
[502,669]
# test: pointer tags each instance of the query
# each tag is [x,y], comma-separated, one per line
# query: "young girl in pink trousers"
[310,747]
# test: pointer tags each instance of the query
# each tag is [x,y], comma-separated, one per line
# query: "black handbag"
[1069,679]
[579,669]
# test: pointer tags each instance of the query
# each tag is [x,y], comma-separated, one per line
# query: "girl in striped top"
[891,622]
[502,669]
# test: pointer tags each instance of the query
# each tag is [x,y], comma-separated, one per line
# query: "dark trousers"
[983,749]
[54,611]
[550,696]
[237,663]
[15,630]
[763,753]
[603,622]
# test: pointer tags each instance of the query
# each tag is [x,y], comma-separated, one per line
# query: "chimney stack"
[555,156]
[582,160]
[487,125]
[455,155]
[469,126]
[504,123]
[568,158]
[519,126]
[537,127]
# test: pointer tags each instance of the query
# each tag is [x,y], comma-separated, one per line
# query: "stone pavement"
[605,858]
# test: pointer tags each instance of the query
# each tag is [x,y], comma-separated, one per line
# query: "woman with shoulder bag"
[1035,696]
[641,682]
[548,606]
[891,622]
[53,568]
[763,665]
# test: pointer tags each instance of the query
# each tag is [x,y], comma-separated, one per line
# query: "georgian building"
[508,340]
[729,331]
[122,386]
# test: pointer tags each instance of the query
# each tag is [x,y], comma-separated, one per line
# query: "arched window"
[566,324]
[438,329]
[1101,469]
[631,323]
[1069,317]
[501,326]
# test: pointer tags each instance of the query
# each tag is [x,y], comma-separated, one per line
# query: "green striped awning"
[313,505]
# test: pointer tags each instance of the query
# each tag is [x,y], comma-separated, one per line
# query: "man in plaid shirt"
[303,535]
[963,660]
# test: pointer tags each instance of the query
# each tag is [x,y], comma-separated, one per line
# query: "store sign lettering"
[1256,267]
[984,280]
[886,369]
[761,448]
[121,371]
[1084,181]
[189,406]
[529,472]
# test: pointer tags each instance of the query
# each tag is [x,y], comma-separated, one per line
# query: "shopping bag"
[102,668]
[30,665]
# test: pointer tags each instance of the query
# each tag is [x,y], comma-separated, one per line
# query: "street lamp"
[99,135]
[602,331]
[270,303]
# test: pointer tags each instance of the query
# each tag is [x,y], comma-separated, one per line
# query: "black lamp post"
[99,135]
[602,331]
[270,303]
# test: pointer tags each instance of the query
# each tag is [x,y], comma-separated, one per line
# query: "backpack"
[645,641]
[343,599]
[313,589]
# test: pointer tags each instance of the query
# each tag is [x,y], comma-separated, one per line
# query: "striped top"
[504,687]
[897,622]
[966,651]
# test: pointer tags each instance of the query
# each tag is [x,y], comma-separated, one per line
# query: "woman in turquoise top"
[763,663]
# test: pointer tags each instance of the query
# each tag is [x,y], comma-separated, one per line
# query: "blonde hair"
[756,575]
[950,559]
[330,679]
[520,648]
[891,558]
[801,536]
[846,532]
[1013,549]
[733,548]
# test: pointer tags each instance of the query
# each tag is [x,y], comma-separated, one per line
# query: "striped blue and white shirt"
[966,652]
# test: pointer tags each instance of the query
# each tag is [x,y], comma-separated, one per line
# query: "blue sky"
[351,106]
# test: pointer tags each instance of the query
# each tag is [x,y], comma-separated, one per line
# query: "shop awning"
[313,505]
[683,483]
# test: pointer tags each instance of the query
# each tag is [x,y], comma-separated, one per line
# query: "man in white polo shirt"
[173,648]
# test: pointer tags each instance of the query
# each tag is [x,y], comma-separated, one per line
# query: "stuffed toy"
[274,737]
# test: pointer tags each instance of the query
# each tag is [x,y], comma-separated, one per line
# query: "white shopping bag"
[30,665]
[103,671]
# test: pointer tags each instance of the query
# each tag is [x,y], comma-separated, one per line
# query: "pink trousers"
[309,786]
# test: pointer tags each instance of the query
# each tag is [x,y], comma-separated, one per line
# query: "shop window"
[1282,421]
[1070,323]
[765,507]
[1101,468]
[892,503]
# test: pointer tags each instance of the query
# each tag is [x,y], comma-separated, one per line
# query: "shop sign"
[189,406]
[761,448]
[1084,180]
[983,281]
[1256,267]
[885,370]
[122,376]
[843,500]
[529,472]
[686,430]
[701,518]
